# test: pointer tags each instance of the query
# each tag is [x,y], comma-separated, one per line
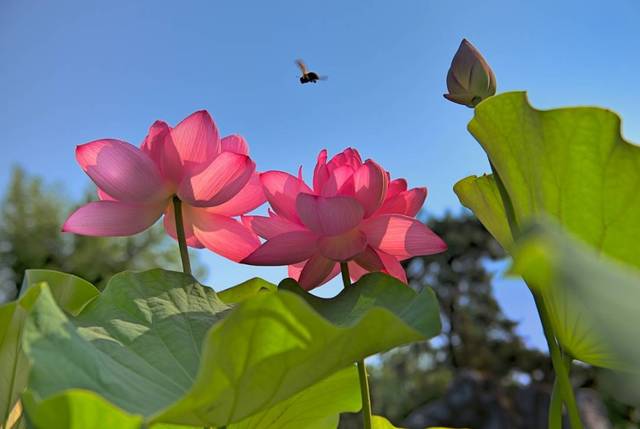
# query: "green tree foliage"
[476,334]
[31,216]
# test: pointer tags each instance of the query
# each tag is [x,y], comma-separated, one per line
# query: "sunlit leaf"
[317,407]
[78,409]
[245,290]
[571,164]
[160,345]
[72,294]
[593,301]
[138,344]
[379,422]
[419,311]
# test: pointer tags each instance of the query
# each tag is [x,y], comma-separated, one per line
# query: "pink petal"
[316,271]
[370,182]
[248,198]
[329,215]
[284,249]
[160,147]
[122,171]
[395,187]
[196,140]
[269,227]
[393,267]
[356,271]
[113,218]
[340,182]
[321,172]
[281,190]
[407,203]
[235,143]
[369,260]
[224,235]
[294,270]
[170,225]
[342,247]
[401,236]
[348,157]
[218,182]
[103,196]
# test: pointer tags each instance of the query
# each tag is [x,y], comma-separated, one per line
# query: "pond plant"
[157,349]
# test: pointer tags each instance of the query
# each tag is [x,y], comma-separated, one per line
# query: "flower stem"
[362,369]
[562,372]
[555,407]
[344,270]
[182,242]
[562,382]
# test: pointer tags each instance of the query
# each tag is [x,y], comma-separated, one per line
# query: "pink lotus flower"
[214,178]
[354,213]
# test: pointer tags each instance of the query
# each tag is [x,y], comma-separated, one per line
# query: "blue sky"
[71,72]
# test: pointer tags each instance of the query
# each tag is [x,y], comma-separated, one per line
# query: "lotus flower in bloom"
[354,213]
[214,178]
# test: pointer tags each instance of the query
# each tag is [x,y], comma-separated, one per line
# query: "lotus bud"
[470,79]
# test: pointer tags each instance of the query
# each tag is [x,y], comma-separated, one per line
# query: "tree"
[31,215]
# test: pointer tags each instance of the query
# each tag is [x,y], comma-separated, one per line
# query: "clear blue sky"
[71,72]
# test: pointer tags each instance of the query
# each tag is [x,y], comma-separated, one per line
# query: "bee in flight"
[308,76]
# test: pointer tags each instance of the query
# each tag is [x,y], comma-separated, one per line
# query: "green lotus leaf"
[571,164]
[160,345]
[77,409]
[419,311]
[379,422]
[138,344]
[593,301]
[245,290]
[317,407]
[71,293]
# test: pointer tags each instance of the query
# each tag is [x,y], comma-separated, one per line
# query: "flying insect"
[308,76]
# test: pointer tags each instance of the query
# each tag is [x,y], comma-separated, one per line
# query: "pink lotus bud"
[470,79]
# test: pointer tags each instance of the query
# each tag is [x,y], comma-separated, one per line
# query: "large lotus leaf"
[138,346]
[593,301]
[418,310]
[317,407]
[71,292]
[571,164]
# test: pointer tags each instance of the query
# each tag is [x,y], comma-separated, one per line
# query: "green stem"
[362,369]
[344,270]
[555,407]
[182,242]
[559,366]
[364,393]
[561,371]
